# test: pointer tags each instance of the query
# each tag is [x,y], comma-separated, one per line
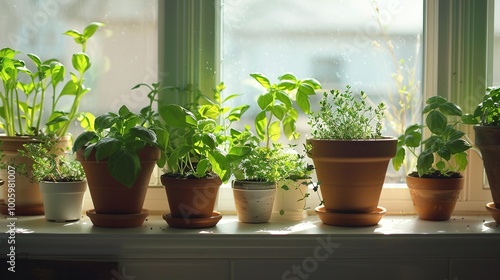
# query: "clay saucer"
[117,220]
[28,210]
[192,222]
[494,212]
[350,219]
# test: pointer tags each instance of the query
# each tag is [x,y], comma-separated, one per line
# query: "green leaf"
[469,119]
[73,33]
[125,167]
[56,118]
[104,121]
[83,139]
[398,159]
[35,59]
[261,79]
[265,100]
[458,146]
[289,127]
[288,76]
[284,98]
[105,147]
[70,88]
[279,112]
[303,102]
[202,168]
[81,62]
[450,109]
[91,29]
[461,161]
[275,131]
[57,72]
[436,122]
[237,152]
[261,124]
[424,163]
[143,133]
[176,116]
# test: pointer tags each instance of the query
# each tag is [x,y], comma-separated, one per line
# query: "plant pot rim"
[383,138]
[255,185]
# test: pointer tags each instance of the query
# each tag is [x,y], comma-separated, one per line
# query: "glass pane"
[374,46]
[496,46]
[123,52]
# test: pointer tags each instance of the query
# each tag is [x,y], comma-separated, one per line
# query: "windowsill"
[408,235]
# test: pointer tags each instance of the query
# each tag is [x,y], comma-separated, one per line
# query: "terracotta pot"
[254,200]
[488,142]
[28,200]
[191,198]
[434,199]
[352,173]
[291,201]
[62,201]
[112,197]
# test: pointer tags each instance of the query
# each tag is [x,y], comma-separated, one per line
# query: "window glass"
[123,52]
[373,46]
[496,45]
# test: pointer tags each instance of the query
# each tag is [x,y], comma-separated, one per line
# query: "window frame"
[456,47]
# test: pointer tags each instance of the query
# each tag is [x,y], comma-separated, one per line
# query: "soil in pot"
[434,199]
[254,200]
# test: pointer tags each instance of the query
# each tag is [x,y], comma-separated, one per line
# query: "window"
[123,53]
[426,47]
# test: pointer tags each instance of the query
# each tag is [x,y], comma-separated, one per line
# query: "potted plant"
[198,158]
[23,95]
[61,179]
[487,131]
[292,192]
[350,156]
[118,157]
[441,157]
[277,116]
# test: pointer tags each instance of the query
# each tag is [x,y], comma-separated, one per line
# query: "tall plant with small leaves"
[345,116]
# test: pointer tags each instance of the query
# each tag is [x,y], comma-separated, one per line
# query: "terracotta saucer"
[28,210]
[118,220]
[350,219]
[193,223]
[494,212]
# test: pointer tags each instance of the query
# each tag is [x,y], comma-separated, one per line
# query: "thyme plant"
[344,116]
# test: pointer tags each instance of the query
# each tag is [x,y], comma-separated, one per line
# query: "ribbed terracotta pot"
[351,173]
[488,142]
[434,199]
[28,200]
[254,200]
[191,198]
[112,197]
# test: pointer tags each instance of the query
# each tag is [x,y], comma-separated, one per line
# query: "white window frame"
[455,65]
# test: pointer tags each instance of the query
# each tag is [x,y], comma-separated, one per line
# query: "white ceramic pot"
[62,201]
[254,200]
[290,202]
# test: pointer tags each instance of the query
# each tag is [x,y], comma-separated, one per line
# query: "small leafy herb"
[487,112]
[443,153]
[51,163]
[343,116]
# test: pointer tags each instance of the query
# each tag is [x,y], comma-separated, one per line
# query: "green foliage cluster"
[23,91]
[50,163]
[443,153]
[200,141]
[277,112]
[487,112]
[344,116]
[117,138]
